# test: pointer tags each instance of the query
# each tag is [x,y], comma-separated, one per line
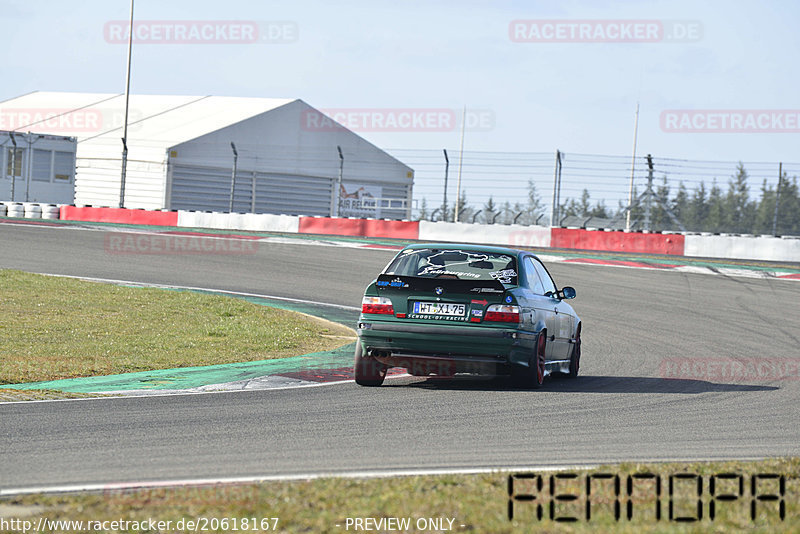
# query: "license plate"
[440,308]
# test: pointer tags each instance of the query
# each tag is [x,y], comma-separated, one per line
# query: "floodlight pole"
[457,211]
[125,127]
[13,164]
[633,165]
[233,175]
[446,171]
[649,192]
[777,200]
[30,168]
[554,212]
[339,183]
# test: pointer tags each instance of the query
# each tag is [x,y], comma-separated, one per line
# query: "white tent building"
[181,154]
[40,169]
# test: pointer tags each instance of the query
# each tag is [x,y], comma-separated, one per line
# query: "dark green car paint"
[468,343]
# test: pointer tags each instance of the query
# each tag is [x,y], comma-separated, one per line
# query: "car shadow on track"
[584,384]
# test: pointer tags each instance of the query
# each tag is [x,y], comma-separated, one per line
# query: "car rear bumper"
[446,349]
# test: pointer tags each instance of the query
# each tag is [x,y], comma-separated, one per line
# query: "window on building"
[17,163]
[42,165]
[63,166]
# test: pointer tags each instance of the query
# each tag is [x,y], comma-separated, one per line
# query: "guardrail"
[768,248]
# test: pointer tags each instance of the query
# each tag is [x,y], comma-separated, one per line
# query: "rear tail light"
[377,305]
[502,313]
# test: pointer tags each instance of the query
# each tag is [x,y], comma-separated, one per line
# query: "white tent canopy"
[180,155]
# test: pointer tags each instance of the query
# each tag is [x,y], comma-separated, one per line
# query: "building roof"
[167,131]
[163,120]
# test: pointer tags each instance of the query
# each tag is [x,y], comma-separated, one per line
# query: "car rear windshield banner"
[429,285]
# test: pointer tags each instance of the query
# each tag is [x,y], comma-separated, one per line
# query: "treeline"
[528,212]
[704,209]
[713,209]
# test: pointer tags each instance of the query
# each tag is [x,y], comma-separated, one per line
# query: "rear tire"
[367,370]
[533,375]
[575,358]
[538,373]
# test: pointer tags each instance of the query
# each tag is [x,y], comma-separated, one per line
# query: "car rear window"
[455,264]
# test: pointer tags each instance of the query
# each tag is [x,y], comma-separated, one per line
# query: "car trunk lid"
[442,300]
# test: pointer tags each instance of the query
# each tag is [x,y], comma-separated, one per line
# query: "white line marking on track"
[144,394]
[385,473]
[149,394]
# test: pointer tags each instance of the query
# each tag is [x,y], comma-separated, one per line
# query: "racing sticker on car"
[435,270]
[397,282]
[504,276]
[438,317]
[464,258]
[486,290]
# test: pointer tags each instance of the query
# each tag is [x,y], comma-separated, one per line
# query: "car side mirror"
[567,292]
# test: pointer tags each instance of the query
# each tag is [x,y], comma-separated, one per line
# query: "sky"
[529,85]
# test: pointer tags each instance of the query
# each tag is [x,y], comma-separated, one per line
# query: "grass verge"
[14,395]
[56,328]
[474,503]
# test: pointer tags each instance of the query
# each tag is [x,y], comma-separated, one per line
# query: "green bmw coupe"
[442,309]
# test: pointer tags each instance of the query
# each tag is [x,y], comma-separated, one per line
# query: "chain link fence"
[649,193]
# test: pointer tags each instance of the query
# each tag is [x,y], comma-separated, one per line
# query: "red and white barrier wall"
[743,247]
[256,222]
[359,227]
[617,241]
[708,246]
[119,215]
[495,234]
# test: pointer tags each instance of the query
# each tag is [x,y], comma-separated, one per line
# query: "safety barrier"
[577,238]
[14,209]
[494,234]
[743,247]
[119,215]
[360,227]
[255,222]
[709,246]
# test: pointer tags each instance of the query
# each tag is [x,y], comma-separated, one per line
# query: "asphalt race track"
[620,409]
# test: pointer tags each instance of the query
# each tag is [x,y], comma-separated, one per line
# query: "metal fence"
[599,190]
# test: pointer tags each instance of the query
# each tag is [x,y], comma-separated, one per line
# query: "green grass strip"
[193,377]
[55,328]
[462,503]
